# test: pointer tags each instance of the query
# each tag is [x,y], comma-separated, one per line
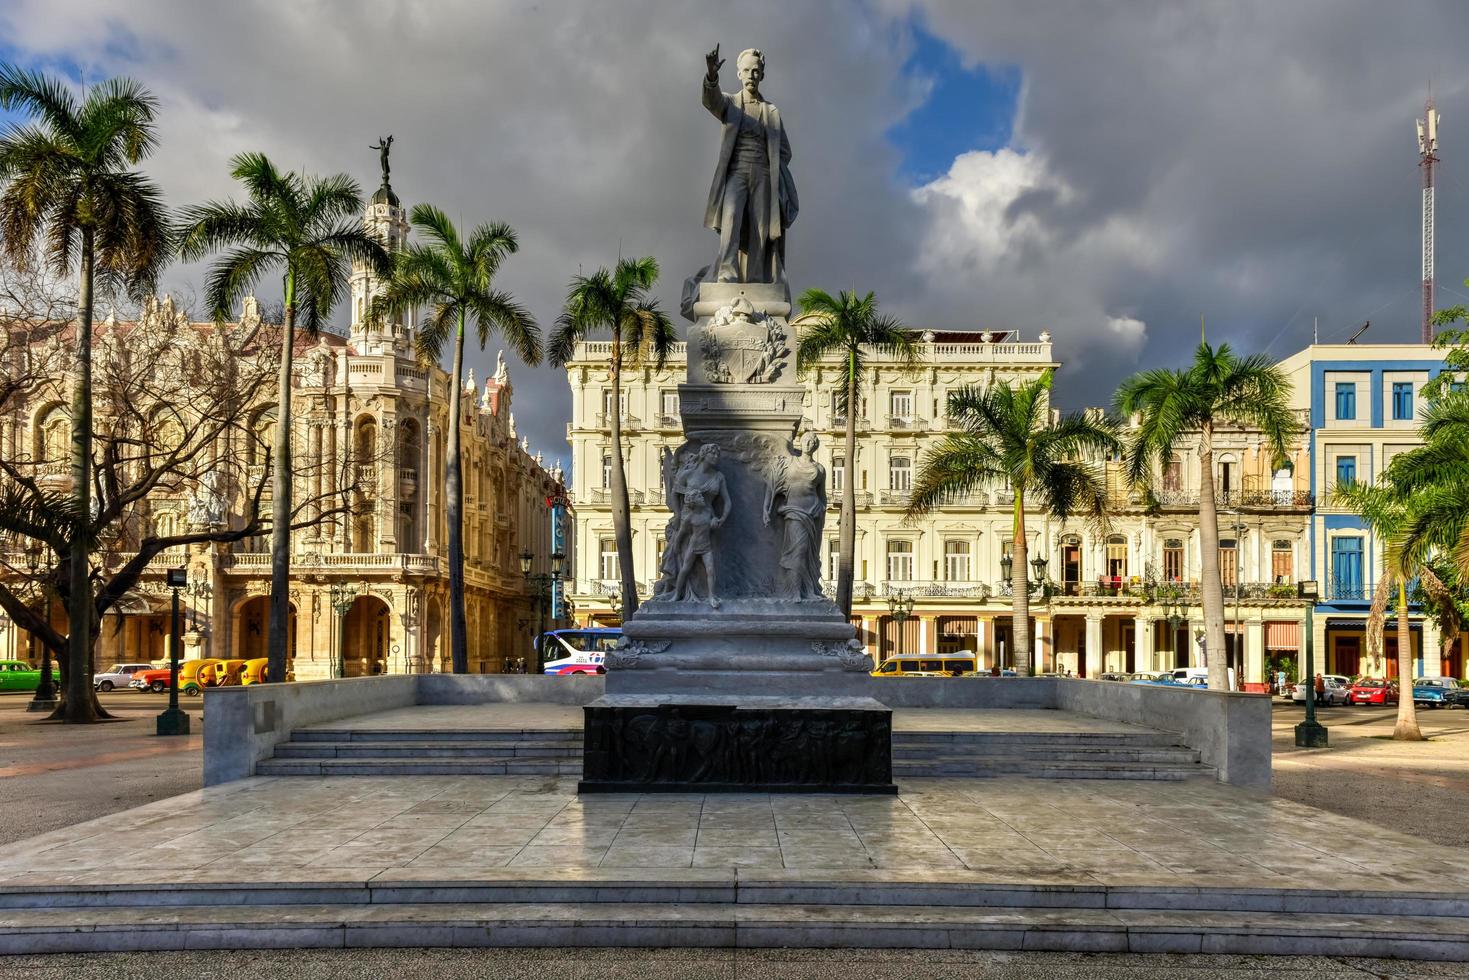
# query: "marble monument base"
[701,744]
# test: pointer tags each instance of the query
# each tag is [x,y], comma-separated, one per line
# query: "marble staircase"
[322,751]
[1045,755]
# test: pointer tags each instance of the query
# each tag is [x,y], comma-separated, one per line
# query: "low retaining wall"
[246,722]
[1230,731]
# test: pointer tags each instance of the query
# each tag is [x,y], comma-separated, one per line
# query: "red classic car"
[1373,690]
[150,680]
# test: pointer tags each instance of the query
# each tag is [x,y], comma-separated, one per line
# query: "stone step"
[418,749]
[436,735]
[945,753]
[419,766]
[1041,769]
[1031,739]
[731,925]
[938,888]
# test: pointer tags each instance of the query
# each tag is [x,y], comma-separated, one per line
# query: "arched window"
[53,436]
[1173,559]
[262,436]
[1282,561]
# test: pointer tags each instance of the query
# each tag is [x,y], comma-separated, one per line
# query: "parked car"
[1373,690]
[1336,691]
[155,680]
[256,671]
[118,675]
[1430,692]
[17,675]
[1168,680]
[1455,693]
[190,681]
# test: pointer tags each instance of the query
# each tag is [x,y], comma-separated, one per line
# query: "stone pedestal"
[681,744]
[763,634]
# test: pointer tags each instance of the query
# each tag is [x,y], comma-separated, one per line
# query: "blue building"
[1364,403]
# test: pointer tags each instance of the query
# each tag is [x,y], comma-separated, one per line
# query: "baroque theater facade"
[369,589]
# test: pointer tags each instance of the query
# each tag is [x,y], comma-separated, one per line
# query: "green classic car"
[17,675]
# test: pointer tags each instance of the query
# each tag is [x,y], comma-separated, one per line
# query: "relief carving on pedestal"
[741,346]
[851,654]
[628,653]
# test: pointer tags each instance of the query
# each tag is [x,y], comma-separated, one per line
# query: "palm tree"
[1010,439]
[1385,508]
[853,328]
[1436,474]
[311,229]
[454,280]
[70,195]
[1219,388]
[620,302]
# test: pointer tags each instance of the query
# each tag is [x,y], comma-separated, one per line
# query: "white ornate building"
[1111,588]
[364,393]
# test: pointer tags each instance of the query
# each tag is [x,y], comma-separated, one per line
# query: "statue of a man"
[753,199]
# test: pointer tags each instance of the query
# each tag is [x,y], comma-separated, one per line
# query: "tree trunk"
[621,528]
[847,533]
[1020,589]
[279,628]
[1210,582]
[79,706]
[454,494]
[1406,729]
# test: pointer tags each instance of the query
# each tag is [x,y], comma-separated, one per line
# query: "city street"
[1421,788]
[54,775]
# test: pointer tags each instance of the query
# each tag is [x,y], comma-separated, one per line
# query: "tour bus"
[579,650]
[928,664]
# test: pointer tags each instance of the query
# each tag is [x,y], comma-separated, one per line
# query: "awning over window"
[1282,636]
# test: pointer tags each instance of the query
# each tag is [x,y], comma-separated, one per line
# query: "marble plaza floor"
[505,828]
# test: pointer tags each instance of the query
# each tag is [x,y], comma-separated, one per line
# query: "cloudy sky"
[1106,170]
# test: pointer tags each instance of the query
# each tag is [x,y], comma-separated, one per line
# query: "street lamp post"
[173,720]
[1310,734]
[343,595]
[1239,571]
[543,586]
[900,606]
[45,698]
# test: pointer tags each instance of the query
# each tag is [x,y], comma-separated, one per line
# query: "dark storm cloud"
[1252,161]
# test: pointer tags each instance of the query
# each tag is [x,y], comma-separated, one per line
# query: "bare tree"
[181,456]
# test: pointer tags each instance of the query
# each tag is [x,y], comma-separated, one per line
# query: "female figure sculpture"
[700,502]
[801,481]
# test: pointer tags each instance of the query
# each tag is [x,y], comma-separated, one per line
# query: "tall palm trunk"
[1210,583]
[1406,728]
[79,705]
[621,527]
[847,534]
[279,627]
[454,492]
[1020,587]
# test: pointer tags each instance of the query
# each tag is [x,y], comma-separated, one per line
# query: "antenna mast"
[1427,157]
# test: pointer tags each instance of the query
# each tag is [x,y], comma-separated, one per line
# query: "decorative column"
[1045,647]
[388,489]
[1254,653]
[1093,645]
[1195,654]
[1142,640]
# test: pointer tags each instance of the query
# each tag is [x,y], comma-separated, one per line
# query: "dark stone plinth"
[673,744]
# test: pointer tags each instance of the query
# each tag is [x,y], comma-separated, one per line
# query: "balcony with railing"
[904,423]
[391,561]
[1347,590]
[863,498]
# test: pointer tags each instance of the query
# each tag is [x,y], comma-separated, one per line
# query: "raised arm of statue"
[714,99]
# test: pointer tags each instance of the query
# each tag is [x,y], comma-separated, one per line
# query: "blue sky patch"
[964,108]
